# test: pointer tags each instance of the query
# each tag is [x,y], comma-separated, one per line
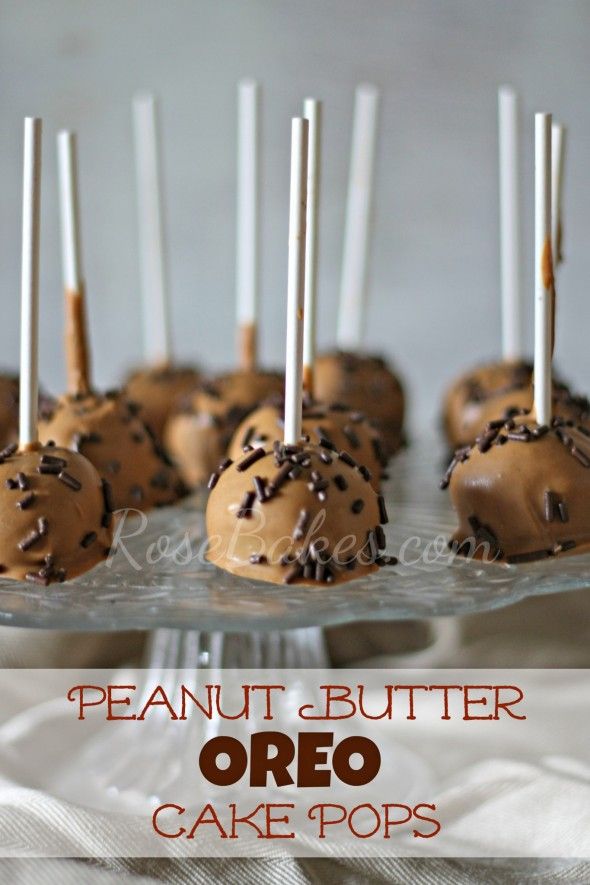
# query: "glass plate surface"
[196,595]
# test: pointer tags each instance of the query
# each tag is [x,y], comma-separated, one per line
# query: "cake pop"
[55,521]
[335,427]
[365,383]
[521,492]
[104,427]
[199,434]
[495,390]
[55,511]
[295,514]
[157,392]
[156,387]
[290,511]
[338,429]
[350,375]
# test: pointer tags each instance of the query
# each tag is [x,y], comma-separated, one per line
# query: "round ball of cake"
[157,392]
[197,437]
[365,383]
[295,514]
[333,426]
[55,520]
[106,429]
[494,390]
[521,492]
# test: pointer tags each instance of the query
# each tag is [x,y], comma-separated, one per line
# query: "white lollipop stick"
[544,293]
[351,315]
[76,342]
[156,323]
[296,281]
[248,222]
[29,334]
[510,247]
[312,111]
[67,167]
[558,134]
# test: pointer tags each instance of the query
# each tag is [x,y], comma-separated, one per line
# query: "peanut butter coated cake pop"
[334,427]
[291,512]
[55,510]
[104,427]
[295,514]
[199,434]
[521,492]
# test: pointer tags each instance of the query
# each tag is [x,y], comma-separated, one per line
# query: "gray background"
[434,275]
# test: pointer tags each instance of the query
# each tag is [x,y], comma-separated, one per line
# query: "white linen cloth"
[543,632]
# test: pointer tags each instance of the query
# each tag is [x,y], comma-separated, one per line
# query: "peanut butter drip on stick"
[549,283]
[247,347]
[544,286]
[76,343]
[312,111]
[76,335]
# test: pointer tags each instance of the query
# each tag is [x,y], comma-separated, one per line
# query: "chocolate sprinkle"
[245,509]
[23,482]
[258,559]
[71,482]
[280,477]
[340,482]
[49,469]
[260,487]
[380,537]
[250,459]
[533,556]
[550,503]
[348,459]
[383,517]
[213,480]
[357,505]
[107,495]
[88,539]
[26,502]
[29,541]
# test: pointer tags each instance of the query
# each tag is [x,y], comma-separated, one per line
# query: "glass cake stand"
[201,617]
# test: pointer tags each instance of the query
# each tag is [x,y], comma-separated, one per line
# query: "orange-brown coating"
[296,514]
[363,383]
[9,393]
[55,519]
[493,390]
[106,429]
[346,430]
[157,391]
[199,434]
[523,490]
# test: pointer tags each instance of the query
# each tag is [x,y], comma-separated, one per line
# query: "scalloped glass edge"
[200,596]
